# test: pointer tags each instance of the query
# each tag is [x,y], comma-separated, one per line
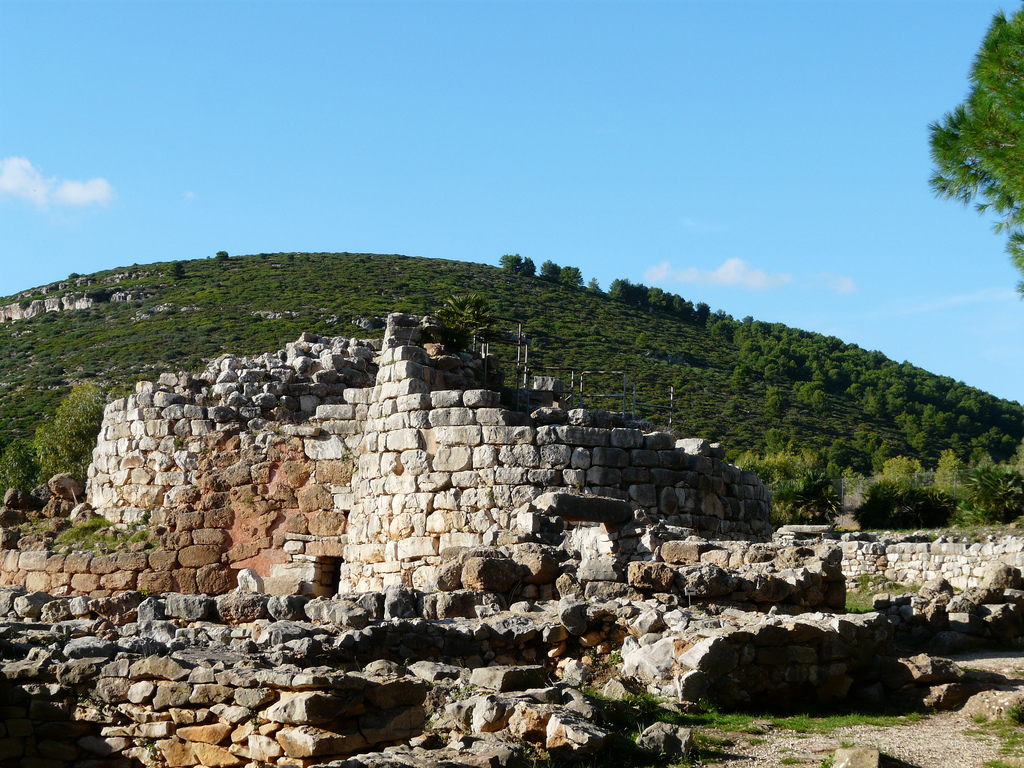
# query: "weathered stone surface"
[307,741]
[856,757]
[189,607]
[645,574]
[492,574]
[713,656]
[503,679]
[305,708]
[242,607]
[595,509]
[344,613]
[1000,576]
[666,739]
[570,732]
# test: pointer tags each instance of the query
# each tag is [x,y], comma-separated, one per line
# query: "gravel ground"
[941,740]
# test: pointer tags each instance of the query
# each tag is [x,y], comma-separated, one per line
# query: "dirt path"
[942,740]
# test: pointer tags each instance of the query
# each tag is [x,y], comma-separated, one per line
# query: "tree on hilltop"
[512,262]
[570,276]
[977,148]
[550,271]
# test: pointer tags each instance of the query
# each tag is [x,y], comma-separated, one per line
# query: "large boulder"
[706,581]
[1000,576]
[65,486]
[492,574]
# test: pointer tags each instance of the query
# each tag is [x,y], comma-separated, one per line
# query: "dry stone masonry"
[917,558]
[346,465]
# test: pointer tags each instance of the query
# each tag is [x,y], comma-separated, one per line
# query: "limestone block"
[415,462]
[544,477]
[452,417]
[405,440]
[554,456]
[626,438]
[446,398]
[365,553]
[434,482]
[417,402]
[519,456]
[610,457]
[510,435]
[400,484]
[694,445]
[453,459]
[465,435]
[510,475]
[477,498]
[485,457]
[460,539]
[480,398]
[395,389]
[495,417]
[314,498]
[468,479]
[603,476]
[325,447]
[574,478]
[396,421]
[336,411]
[643,494]
[408,369]
[416,547]
[33,561]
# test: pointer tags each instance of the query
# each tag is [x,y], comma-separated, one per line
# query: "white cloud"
[19,178]
[734,272]
[96,191]
[986,296]
[189,195]
[834,283]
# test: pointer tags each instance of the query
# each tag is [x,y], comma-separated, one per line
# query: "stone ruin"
[339,466]
[335,528]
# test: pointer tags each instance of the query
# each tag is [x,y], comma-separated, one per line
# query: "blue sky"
[768,158]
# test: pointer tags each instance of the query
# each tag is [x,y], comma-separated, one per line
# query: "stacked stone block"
[916,559]
[262,444]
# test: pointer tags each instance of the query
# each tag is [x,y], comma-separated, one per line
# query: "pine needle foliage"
[977,148]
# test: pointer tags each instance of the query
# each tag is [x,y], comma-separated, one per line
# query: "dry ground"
[941,740]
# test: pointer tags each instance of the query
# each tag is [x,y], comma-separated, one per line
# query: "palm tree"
[467,319]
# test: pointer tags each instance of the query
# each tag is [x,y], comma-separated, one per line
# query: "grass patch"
[1007,729]
[97,534]
[715,731]
[861,592]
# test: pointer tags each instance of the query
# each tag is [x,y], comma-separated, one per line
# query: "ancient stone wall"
[917,559]
[339,464]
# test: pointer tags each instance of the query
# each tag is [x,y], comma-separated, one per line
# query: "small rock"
[856,757]
[666,739]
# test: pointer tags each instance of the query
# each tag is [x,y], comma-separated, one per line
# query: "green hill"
[748,384]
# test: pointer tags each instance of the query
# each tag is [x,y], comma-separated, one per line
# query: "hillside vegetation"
[753,386]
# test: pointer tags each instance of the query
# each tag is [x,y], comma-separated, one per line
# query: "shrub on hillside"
[810,499]
[897,504]
[995,494]
[18,467]
[64,442]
